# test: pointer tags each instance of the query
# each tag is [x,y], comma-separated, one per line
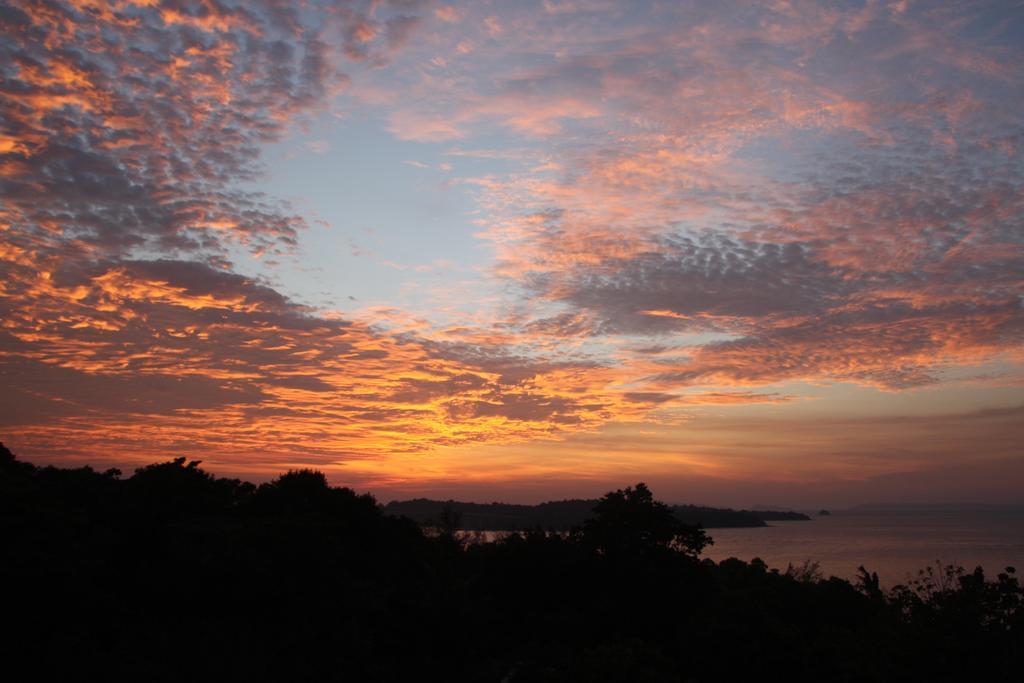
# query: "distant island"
[563,515]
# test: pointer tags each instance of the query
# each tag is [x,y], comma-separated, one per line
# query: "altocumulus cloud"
[127,127]
[832,191]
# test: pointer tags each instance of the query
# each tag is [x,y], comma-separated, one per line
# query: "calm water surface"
[894,544]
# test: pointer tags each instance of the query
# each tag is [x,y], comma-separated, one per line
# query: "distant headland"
[564,514]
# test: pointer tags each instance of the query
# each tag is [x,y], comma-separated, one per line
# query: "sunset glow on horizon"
[766,253]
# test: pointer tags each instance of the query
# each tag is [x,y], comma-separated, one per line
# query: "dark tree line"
[172,574]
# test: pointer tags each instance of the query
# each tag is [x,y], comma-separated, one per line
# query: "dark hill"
[172,574]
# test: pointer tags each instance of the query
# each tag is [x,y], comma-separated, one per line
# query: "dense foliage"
[172,574]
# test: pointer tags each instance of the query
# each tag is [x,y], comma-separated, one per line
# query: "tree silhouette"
[629,522]
[447,523]
[307,492]
[104,575]
[868,584]
[11,465]
[177,487]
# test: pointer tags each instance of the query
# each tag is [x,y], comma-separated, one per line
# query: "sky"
[751,253]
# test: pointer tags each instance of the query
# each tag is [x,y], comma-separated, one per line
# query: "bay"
[895,544]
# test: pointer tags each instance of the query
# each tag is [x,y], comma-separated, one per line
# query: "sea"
[894,543]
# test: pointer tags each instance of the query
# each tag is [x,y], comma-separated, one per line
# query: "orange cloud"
[684,207]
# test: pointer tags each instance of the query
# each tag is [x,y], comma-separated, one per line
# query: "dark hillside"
[173,574]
